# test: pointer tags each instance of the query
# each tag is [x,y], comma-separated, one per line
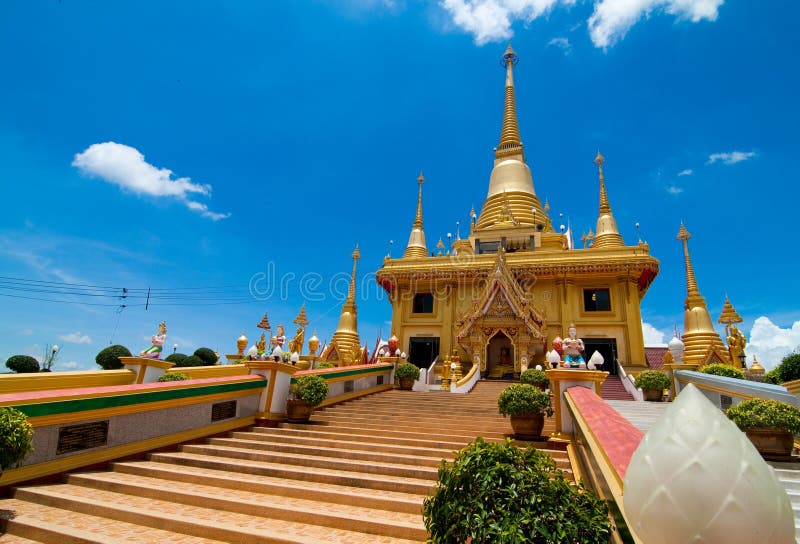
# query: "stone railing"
[349,382]
[724,392]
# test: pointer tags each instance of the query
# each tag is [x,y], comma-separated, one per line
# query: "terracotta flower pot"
[527,426]
[298,411]
[772,444]
[653,395]
[406,384]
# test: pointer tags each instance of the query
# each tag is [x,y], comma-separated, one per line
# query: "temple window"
[596,300]
[423,303]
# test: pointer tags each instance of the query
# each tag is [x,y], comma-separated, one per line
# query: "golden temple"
[500,297]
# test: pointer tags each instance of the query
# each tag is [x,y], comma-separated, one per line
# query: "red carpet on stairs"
[612,389]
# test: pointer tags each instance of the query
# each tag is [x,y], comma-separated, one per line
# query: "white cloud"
[687,172]
[125,166]
[562,43]
[771,343]
[612,19]
[652,336]
[491,20]
[75,338]
[731,157]
[71,365]
[674,190]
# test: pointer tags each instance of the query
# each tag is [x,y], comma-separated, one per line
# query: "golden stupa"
[501,295]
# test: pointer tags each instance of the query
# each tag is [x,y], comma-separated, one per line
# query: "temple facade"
[501,296]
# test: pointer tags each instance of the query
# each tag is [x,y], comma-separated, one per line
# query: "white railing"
[431,378]
[736,390]
[465,384]
[629,383]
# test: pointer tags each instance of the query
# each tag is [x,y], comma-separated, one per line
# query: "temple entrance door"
[500,357]
[607,348]
[422,351]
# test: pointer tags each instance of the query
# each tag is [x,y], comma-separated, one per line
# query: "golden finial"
[599,159]
[356,254]
[416,247]
[264,323]
[605,207]
[440,246]
[729,315]
[301,319]
[756,366]
[546,205]
[510,142]
[691,281]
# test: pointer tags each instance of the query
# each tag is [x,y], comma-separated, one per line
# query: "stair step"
[340,494]
[314,461]
[191,520]
[51,525]
[377,430]
[354,518]
[328,476]
[352,454]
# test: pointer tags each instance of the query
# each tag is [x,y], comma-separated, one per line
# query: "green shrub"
[312,389]
[173,377]
[652,379]
[407,370]
[773,376]
[720,369]
[765,414]
[497,493]
[108,358]
[16,437]
[176,358]
[207,355]
[521,398]
[325,364]
[191,360]
[22,364]
[533,377]
[789,369]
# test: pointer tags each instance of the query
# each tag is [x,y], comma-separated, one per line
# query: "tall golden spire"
[510,173]
[510,143]
[607,234]
[345,341]
[699,335]
[416,241]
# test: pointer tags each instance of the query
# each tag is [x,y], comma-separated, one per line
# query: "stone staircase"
[612,389]
[357,473]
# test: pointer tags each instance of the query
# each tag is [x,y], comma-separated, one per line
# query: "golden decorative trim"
[17,475]
[49,381]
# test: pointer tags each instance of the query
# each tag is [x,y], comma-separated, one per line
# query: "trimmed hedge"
[407,370]
[720,369]
[207,355]
[22,364]
[312,389]
[765,414]
[176,358]
[522,398]
[16,437]
[173,377]
[533,377]
[108,358]
[191,360]
[652,379]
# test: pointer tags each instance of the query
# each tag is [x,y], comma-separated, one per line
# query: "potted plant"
[769,424]
[305,394]
[720,369]
[527,405]
[406,374]
[496,492]
[536,377]
[16,437]
[652,383]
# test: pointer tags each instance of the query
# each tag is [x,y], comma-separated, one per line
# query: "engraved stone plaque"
[223,410]
[82,437]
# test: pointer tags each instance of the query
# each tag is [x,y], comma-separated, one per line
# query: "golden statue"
[261,345]
[736,345]
[296,343]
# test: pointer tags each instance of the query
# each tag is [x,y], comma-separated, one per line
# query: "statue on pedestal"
[296,343]
[573,348]
[158,339]
[261,346]
[736,344]
[279,340]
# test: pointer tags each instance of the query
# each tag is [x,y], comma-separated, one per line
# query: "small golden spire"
[264,323]
[416,247]
[607,231]
[510,142]
[691,282]
[729,315]
[345,339]
[301,319]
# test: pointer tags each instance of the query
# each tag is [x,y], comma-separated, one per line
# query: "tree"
[176,358]
[16,437]
[789,369]
[108,358]
[207,355]
[22,364]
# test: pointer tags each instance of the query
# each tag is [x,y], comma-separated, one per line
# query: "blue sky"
[255,139]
